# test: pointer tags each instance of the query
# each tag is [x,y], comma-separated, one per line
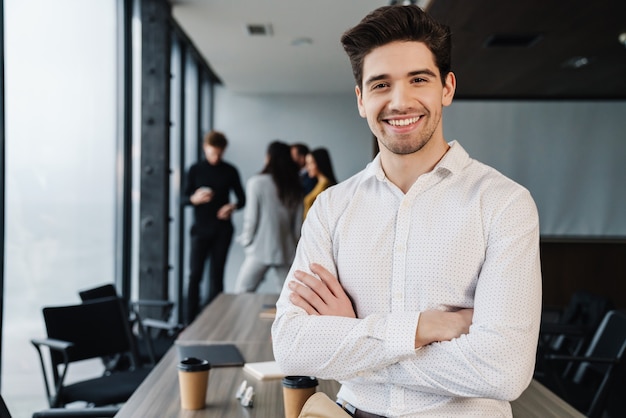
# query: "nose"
[401,97]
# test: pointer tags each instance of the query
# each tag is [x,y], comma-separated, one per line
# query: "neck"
[403,170]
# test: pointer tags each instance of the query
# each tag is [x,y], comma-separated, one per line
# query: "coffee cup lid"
[299,382]
[192,364]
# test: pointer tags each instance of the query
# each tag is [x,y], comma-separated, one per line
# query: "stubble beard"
[409,143]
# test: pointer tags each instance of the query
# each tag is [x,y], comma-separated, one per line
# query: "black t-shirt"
[222,178]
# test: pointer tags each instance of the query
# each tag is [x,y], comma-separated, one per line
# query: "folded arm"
[325,296]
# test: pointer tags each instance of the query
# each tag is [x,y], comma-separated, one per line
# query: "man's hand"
[225,211]
[323,296]
[442,326]
[201,196]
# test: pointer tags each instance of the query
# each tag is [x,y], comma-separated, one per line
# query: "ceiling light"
[259,29]
[302,41]
[576,62]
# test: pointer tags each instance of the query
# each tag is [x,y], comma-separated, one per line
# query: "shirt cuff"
[400,333]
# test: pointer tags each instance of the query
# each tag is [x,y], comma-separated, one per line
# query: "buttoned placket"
[404,219]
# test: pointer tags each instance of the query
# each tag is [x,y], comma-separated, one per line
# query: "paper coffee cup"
[296,391]
[193,377]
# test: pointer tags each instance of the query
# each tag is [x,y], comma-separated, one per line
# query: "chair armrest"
[62,347]
[152,303]
[158,324]
[54,344]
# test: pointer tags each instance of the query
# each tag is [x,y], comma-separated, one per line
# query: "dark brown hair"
[216,139]
[321,156]
[397,23]
[284,172]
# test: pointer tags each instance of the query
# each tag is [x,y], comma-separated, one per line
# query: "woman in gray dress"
[271,221]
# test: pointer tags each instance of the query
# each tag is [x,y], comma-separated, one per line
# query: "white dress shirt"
[463,236]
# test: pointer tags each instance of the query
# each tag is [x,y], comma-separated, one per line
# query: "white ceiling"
[272,64]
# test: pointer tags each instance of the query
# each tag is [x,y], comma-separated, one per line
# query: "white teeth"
[402,122]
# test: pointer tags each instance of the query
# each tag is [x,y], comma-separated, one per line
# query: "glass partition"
[61,107]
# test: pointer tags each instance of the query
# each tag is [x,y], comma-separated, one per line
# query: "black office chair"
[591,386]
[101,412]
[572,330]
[91,330]
[153,336]
[4,411]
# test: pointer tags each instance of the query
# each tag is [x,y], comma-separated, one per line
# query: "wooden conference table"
[235,319]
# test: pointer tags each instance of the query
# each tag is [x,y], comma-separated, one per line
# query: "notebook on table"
[264,370]
[218,355]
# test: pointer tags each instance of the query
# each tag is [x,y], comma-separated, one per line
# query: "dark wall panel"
[598,266]
[155,171]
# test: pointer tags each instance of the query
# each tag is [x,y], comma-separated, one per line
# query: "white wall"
[251,122]
[570,155]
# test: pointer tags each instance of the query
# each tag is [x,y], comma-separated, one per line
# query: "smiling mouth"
[403,122]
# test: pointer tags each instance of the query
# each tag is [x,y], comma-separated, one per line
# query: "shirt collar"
[453,162]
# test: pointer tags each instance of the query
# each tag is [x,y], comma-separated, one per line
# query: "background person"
[271,221]
[319,167]
[299,152]
[416,282]
[208,187]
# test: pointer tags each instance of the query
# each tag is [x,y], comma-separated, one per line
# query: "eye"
[378,86]
[418,80]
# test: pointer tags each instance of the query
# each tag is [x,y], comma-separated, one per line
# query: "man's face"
[402,96]
[311,166]
[213,154]
[297,158]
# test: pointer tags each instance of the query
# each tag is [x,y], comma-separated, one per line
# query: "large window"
[61,107]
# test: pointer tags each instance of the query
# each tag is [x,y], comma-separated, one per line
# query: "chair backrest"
[96,328]
[585,310]
[103,291]
[609,341]
[4,411]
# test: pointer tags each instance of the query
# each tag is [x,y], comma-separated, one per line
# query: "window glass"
[60,69]
[175,282]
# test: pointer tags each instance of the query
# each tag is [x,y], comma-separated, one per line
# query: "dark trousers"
[213,246]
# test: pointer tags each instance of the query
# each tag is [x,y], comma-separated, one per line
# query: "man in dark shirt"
[209,183]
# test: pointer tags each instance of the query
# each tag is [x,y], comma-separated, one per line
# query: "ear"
[359,101]
[448,89]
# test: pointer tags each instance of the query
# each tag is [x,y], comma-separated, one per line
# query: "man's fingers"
[314,284]
[331,282]
[308,295]
[301,303]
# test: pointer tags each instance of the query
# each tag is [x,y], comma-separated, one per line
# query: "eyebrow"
[410,74]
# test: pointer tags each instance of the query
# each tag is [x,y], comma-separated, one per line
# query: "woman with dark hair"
[319,166]
[271,220]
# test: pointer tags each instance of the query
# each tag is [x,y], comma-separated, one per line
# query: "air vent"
[258,29]
[512,40]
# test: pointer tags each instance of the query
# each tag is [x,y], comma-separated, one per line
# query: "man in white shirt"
[416,282]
